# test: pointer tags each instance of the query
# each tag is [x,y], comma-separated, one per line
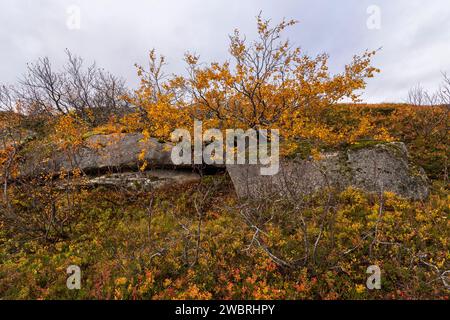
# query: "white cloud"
[414,34]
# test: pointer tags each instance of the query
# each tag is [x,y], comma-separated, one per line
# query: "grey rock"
[99,152]
[381,167]
[148,180]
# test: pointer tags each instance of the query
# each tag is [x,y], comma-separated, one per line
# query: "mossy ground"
[124,255]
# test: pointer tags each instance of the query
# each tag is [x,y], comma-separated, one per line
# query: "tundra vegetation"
[199,241]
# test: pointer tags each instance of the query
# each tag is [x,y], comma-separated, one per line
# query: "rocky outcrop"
[381,167]
[99,152]
[104,157]
[372,168]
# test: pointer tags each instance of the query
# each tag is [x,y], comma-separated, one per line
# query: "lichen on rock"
[373,168]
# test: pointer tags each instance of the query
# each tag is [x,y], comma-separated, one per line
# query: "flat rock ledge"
[380,167]
[143,181]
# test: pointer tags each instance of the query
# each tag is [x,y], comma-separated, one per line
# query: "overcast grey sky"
[414,34]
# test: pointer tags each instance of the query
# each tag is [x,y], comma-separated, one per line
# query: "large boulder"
[99,152]
[374,168]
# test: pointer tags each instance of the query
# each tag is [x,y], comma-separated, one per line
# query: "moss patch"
[362,144]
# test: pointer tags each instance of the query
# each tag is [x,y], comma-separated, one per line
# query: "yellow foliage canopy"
[266,84]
